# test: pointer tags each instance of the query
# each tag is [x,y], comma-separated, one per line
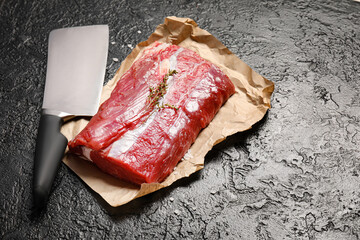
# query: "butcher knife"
[75,75]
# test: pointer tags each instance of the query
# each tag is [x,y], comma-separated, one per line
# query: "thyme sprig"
[169,106]
[159,91]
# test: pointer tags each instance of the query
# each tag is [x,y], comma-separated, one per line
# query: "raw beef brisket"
[154,114]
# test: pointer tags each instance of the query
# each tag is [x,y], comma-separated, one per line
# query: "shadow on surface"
[138,205]
[238,139]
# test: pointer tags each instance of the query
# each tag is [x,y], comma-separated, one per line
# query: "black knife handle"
[50,147]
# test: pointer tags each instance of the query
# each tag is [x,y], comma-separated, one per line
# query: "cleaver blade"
[75,75]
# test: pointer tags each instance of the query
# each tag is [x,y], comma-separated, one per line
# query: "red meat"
[140,138]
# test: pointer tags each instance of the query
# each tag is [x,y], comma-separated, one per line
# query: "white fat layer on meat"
[129,138]
[173,63]
[173,58]
[86,153]
[192,106]
[151,72]
[207,89]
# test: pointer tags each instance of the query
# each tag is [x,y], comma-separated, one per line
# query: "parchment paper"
[246,107]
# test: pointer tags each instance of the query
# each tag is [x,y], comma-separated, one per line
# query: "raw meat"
[154,114]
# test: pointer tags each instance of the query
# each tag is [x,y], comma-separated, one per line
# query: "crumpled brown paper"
[246,107]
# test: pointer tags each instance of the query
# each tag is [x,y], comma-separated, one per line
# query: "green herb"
[159,91]
[169,106]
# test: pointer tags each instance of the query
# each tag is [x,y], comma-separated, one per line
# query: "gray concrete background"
[295,175]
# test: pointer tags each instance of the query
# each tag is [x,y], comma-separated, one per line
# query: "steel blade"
[75,70]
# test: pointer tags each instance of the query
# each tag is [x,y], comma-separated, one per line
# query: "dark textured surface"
[295,175]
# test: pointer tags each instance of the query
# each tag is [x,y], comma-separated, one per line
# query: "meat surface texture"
[154,114]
